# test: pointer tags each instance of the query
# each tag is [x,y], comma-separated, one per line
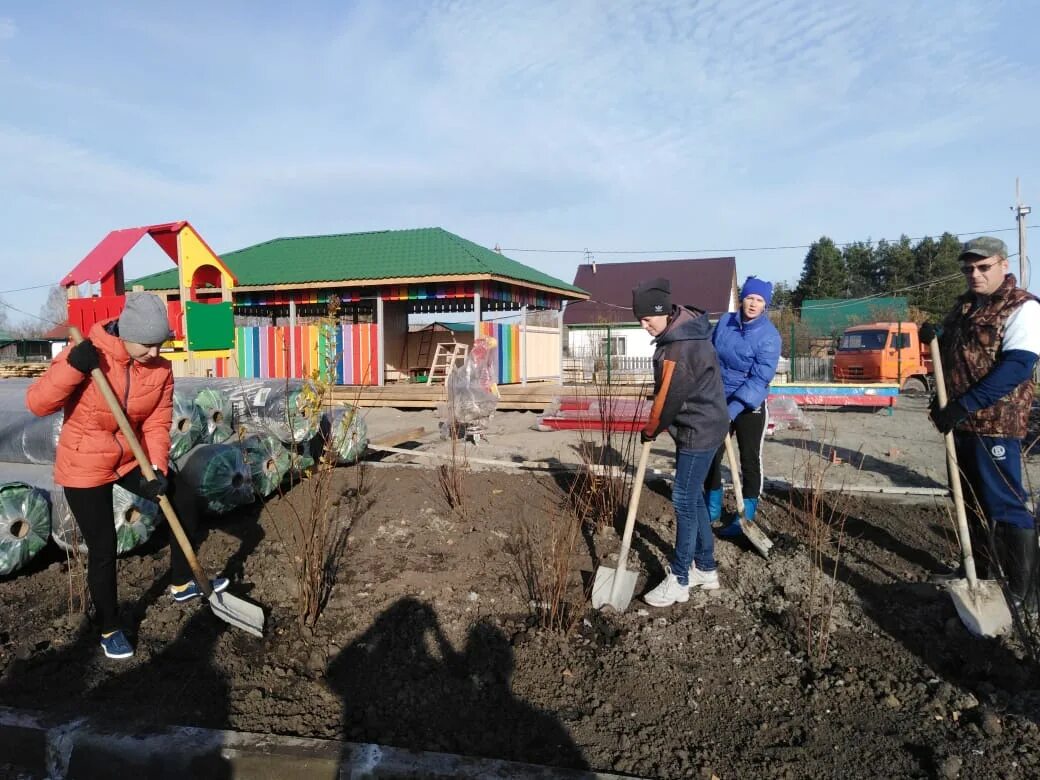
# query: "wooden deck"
[534,396]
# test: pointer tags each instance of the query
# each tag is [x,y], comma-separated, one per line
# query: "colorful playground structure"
[201,317]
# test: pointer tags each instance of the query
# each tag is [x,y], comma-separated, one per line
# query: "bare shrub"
[321,512]
[824,537]
[451,475]
[599,494]
[544,568]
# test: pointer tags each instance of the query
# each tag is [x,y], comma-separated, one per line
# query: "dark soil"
[430,641]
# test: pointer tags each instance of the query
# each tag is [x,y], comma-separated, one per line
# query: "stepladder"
[447,357]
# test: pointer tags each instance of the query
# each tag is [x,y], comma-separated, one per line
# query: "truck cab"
[889,352]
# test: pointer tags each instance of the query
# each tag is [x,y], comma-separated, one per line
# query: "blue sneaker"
[116,645]
[192,591]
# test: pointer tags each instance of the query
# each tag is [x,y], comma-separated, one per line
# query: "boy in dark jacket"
[694,413]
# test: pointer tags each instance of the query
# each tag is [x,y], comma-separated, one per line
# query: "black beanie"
[653,298]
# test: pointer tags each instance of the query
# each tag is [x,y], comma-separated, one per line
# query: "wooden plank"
[394,438]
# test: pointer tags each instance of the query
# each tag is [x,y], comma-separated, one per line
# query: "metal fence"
[810,369]
[616,368]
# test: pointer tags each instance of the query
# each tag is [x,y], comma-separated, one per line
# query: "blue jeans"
[694,542]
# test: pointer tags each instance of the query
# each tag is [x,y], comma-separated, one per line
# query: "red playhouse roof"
[100,261]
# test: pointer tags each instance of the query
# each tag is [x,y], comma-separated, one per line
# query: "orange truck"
[889,352]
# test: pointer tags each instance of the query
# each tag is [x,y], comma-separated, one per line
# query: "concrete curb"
[34,745]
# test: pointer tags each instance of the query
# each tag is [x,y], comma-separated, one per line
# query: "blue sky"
[533,125]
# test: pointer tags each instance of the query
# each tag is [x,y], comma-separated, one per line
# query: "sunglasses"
[982,268]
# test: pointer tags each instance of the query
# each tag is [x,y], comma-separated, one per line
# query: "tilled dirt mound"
[429,642]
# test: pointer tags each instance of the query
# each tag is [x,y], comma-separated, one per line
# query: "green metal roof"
[385,254]
[830,316]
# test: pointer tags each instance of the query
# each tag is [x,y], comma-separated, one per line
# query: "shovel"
[616,586]
[751,530]
[228,608]
[980,603]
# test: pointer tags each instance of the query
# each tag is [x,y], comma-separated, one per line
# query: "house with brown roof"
[604,323]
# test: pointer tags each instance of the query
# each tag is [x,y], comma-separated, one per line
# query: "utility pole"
[1023,259]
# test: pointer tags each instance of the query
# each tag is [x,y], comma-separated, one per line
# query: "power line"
[23,289]
[587,251]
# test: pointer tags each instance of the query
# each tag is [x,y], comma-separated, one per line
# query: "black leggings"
[750,430]
[92,508]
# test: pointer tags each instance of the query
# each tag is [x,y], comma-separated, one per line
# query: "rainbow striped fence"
[264,352]
[508,336]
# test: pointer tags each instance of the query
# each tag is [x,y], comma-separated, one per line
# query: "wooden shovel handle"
[146,468]
[967,557]
[734,471]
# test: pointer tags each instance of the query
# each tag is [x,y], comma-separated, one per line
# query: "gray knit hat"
[144,319]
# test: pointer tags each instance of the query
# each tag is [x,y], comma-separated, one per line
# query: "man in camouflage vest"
[989,344]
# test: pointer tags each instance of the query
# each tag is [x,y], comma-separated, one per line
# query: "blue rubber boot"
[713,498]
[750,507]
[732,529]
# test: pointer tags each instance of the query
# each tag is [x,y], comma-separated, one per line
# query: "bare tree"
[55,309]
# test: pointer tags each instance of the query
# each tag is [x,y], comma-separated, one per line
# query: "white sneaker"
[668,592]
[706,580]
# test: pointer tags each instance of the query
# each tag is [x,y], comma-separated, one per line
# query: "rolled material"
[284,406]
[188,425]
[218,475]
[268,461]
[217,413]
[343,434]
[25,524]
[135,519]
[26,438]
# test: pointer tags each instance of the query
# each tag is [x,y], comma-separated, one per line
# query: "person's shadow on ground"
[856,460]
[403,684]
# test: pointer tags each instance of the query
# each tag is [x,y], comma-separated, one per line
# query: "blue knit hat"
[755,286]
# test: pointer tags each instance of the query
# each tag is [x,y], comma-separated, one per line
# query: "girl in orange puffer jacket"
[93,455]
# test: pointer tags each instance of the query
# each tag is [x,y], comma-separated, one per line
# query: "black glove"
[644,437]
[154,488]
[84,357]
[927,332]
[947,418]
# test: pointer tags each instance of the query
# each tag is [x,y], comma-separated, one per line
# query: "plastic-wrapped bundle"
[279,405]
[188,426]
[473,387]
[218,474]
[268,460]
[344,432]
[285,412]
[26,438]
[135,519]
[217,412]
[25,524]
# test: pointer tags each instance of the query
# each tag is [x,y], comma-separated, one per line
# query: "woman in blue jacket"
[748,346]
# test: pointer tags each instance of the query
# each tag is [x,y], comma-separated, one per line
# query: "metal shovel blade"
[982,609]
[605,593]
[757,537]
[238,612]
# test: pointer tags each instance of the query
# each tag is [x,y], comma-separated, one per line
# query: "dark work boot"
[1017,548]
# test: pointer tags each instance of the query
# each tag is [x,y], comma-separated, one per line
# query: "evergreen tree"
[823,273]
[782,294]
[894,264]
[859,265]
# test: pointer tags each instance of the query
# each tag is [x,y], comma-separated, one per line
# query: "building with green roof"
[376,278]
